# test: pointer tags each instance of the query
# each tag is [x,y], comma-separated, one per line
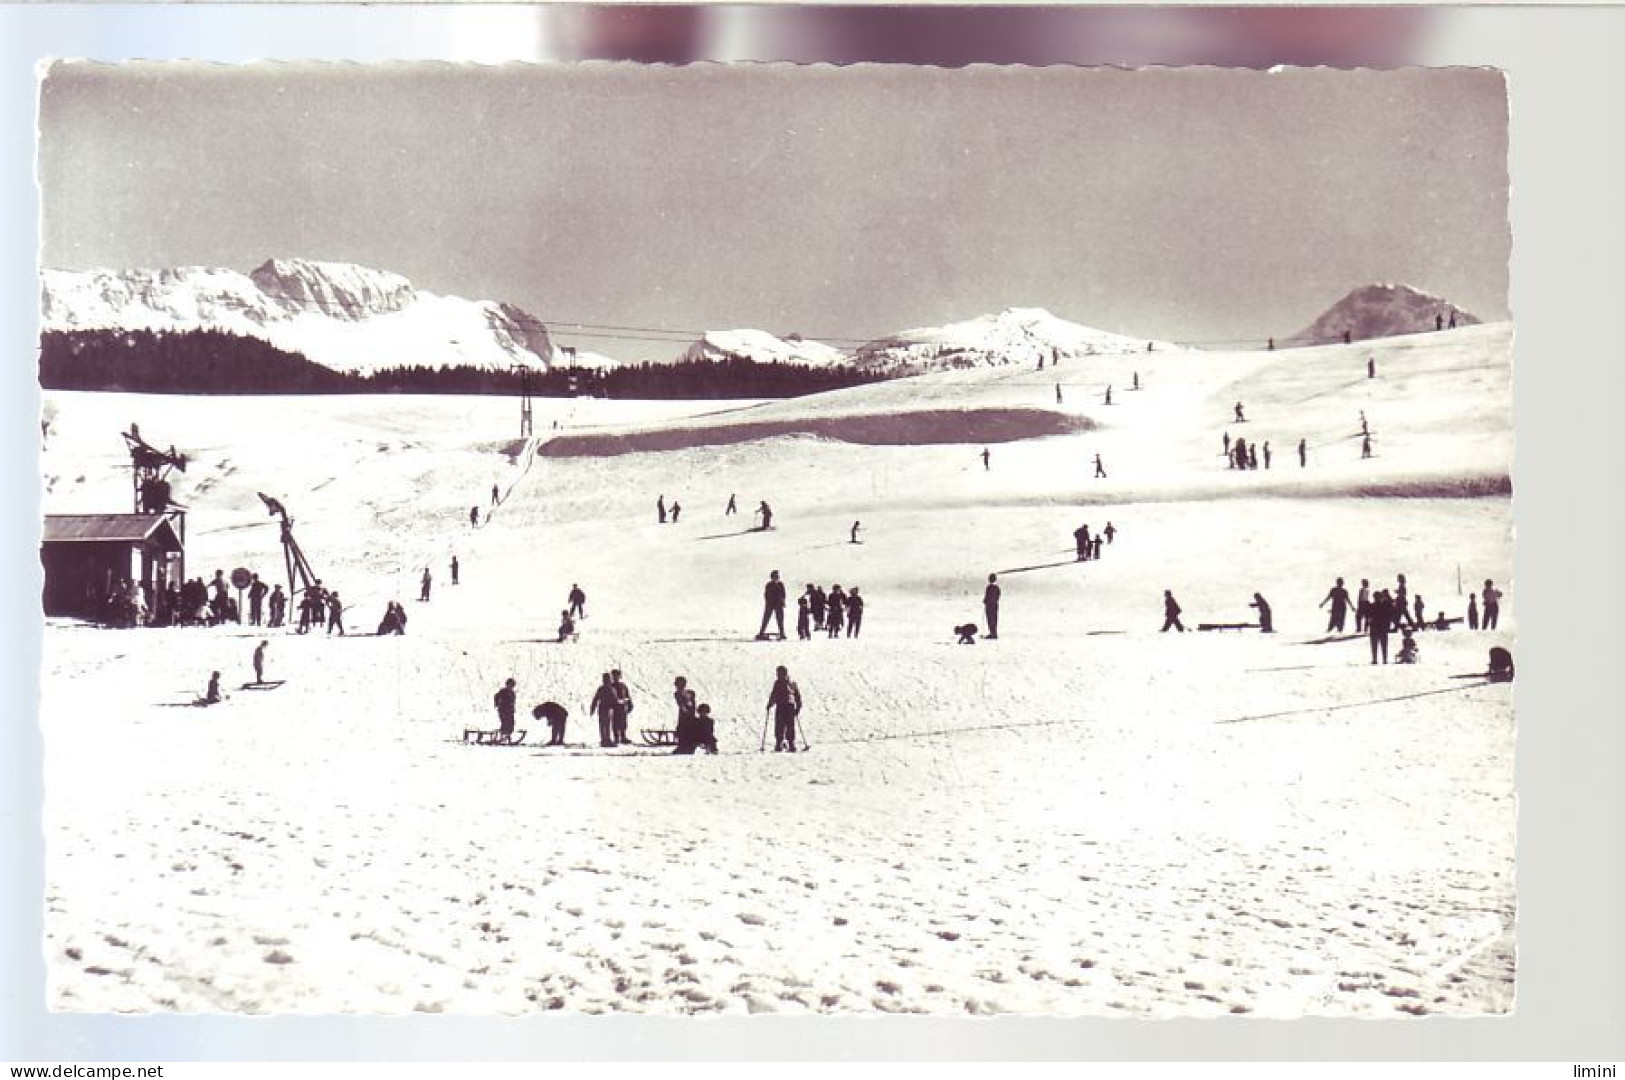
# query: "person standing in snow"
[1362,606]
[784,701]
[1472,611]
[1371,367]
[1240,417]
[990,606]
[474,516]
[687,705]
[1081,536]
[732,507]
[335,613]
[278,603]
[1338,597]
[854,612]
[803,618]
[495,495]
[835,613]
[1303,453]
[578,602]
[556,716]
[1109,532]
[1492,605]
[986,457]
[819,603]
[256,600]
[1380,623]
[623,705]
[424,585]
[676,511]
[1100,470]
[504,702]
[454,569]
[660,508]
[772,606]
[259,661]
[1365,447]
[1266,455]
[603,706]
[765,512]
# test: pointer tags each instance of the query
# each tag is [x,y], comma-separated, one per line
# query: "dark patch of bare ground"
[914,428]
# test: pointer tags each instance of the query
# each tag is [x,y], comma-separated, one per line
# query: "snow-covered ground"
[1084,817]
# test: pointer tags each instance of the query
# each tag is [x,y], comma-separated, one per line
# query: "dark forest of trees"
[216,362]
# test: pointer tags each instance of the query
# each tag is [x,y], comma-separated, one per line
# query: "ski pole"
[802,725]
[766,718]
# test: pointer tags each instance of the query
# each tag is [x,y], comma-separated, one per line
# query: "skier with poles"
[783,707]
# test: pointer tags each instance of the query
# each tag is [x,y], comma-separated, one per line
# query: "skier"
[660,508]
[1109,532]
[1472,611]
[256,600]
[578,601]
[259,661]
[785,702]
[1227,446]
[1170,612]
[705,728]
[556,715]
[1081,536]
[855,526]
[454,569]
[854,612]
[1303,453]
[604,706]
[1108,394]
[1057,393]
[1096,552]
[1136,380]
[985,458]
[504,701]
[1379,623]
[766,513]
[990,606]
[835,614]
[732,507]
[1338,597]
[1252,456]
[772,605]
[278,606]
[1419,613]
[1365,428]
[687,709]
[1362,608]
[623,705]
[1266,624]
[335,613]
[425,583]
[1100,470]
[1492,605]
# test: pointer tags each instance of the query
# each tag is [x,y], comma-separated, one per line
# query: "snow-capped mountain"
[346,317]
[764,348]
[1013,336]
[1382,310]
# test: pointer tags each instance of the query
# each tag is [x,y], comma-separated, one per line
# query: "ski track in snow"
[1067,821]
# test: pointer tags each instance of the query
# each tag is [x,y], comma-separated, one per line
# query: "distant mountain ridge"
[763,348]
[346,317]
[1381,310]
[1013,336]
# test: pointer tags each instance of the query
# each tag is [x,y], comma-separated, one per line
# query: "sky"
[1201,205]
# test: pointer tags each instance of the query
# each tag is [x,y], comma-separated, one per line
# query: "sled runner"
[267,685]
[493,738]
[1227,626]
[658,737]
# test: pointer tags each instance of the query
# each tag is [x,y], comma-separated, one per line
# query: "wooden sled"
[493,738]
[658,737]
[269,684]
[1227,626]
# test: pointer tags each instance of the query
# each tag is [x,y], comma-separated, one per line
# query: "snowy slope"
[1086,817]
[346,317]
[763,348]
[1378,311]
[1013,336]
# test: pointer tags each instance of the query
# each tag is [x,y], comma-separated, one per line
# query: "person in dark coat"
[1371,367]
[1266,455]
[854,613]
[676,511]
[1399,603]
[474,516]
[1418,611]
[335,613]
[259,661]
[1492,605]
[496,496]
[986,458]
[256,600]
[765,512]
[1170,612]
[1100,470]
[278,604]
[567,627]
[1109,532]
[1338,597]
[803,618]
[1380,623]
[835,614]
[784,701]
[1303,453]
[990,606]
[425,583]
[855,526]
[212,695]
[1081,536]
[732,507]
[1266,623]
[705,729]
[819,604]
[1240,417]
[660,508]
[1095,554]
[556,715]
[687,710]
[504,701]
[623,705]
[1472,611]
[967,633]
[772,606]
[578,602]
[603,706]
[454,569]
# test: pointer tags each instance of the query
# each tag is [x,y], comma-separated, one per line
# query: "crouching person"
[555,715]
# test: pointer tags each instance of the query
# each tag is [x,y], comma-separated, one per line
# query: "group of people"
[1379,614]
[672,513]
[827,612]
[1089,547]
[693,731]
[1244,455]
[190,603]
